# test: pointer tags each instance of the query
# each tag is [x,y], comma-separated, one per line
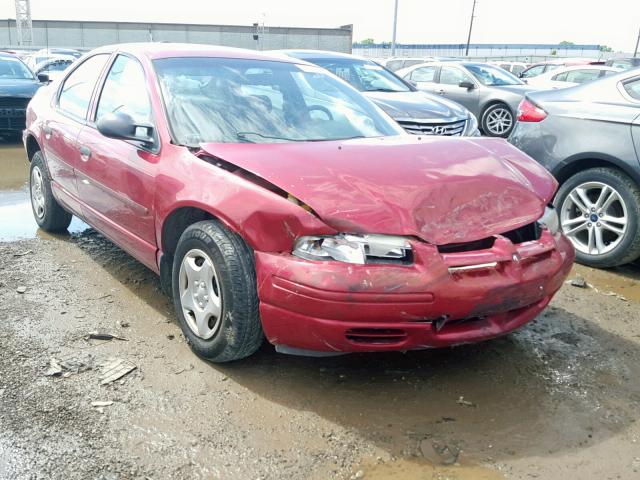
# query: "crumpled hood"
[418,105]
[443,190]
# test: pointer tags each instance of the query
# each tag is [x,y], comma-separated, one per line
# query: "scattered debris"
[21,289]
[123,324]
[184,370]
[171,336]
[105,403]
[439,454]
[104,336]
[115,369]
[466,403]
[55,369]
[23,253]
[356,476]
[224,379]
[579,282]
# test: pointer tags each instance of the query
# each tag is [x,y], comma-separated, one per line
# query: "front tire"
[215,293]
[599,212]
[497,120]
[49,215]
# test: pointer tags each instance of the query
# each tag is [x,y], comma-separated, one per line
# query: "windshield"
[12,68]
[364,76]
[226,100]
[58,66]
[493,76]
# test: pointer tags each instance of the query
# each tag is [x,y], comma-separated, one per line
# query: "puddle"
[16,217]
[623,280]
[417,469]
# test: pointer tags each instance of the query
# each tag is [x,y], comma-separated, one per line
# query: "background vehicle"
[54,67]
[257,188]
[489,92]
[396,63]
[564,77]
[417,112]
[624,63]
[48,53]
[589,138]
[543,67]
[512,67]
[17,85]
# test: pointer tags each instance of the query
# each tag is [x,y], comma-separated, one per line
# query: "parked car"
[623,63]
[275,200]
[48,53]
[417,112]
[512,67]
[564,77]
[544,67]
[396,63]
[17,85]
[54,67]
[589,138]
[489,92]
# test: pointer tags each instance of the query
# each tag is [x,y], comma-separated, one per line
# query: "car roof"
[157,50]
[318,54]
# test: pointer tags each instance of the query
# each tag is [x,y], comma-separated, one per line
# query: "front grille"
[6,112]
[482,244]
[417,127]
[527,233]
[12,124]
[14,102]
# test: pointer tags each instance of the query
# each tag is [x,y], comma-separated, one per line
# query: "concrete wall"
[54,33]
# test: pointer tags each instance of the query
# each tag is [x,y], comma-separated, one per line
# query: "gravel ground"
[558,399]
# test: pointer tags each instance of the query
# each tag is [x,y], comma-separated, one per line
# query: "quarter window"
[633,88]
[125,91]
[75,95]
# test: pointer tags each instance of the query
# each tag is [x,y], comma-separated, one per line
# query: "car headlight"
[550,220]
[472,126]
[355,248]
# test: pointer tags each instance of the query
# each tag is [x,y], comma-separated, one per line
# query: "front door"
[424,78]
[116,178]
[449,86]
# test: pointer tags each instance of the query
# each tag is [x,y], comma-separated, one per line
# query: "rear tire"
[215,293]
[48,213]
[606,234]
[497,120]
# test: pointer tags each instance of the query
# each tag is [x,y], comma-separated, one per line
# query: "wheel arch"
[583,161]
[32,146]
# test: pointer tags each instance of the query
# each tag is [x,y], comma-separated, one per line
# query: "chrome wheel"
[37,192]
[594,217]
[200,294]
[499,121]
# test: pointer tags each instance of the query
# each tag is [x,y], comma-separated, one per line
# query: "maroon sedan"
[275,200]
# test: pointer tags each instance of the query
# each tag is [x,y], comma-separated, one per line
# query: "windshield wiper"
[386,90]
[243,136]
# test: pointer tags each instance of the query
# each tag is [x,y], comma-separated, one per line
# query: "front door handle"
[85,153]
[440,92]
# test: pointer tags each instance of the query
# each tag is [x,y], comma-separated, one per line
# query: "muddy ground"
[559,399]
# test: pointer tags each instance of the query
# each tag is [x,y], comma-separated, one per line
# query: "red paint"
[436,191]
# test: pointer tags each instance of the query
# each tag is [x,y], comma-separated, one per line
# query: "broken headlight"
[355,249]
[549,220]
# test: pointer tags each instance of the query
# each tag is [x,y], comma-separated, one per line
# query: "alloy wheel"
[499,121]
[594,217]
[200,294]
[37,192]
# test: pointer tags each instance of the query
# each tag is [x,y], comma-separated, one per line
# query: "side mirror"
[122,126]
[43,78]
[467,84]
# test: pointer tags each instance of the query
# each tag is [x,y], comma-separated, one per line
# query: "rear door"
[449,87]
[116,177]
[61,129]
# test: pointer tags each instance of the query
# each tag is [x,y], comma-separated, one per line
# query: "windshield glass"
[58,66]
[12,68]
[493,76]
[238,101]
[364,76]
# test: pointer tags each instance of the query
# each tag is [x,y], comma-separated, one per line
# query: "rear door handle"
[440,92]
[85,153]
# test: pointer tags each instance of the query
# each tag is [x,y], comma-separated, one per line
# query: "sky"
[614,23]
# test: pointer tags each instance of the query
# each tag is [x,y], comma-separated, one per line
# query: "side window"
[561,77]
[423,74]
[452,76]
[517,69]
[582,76]
[533,71]
[76,91]
[394,65]
[125,90]
[633,88]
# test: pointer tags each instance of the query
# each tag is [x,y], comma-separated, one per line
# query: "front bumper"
[440,300]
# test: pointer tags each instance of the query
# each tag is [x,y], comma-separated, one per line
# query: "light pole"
[635,52]
[473,10]
[395,27]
